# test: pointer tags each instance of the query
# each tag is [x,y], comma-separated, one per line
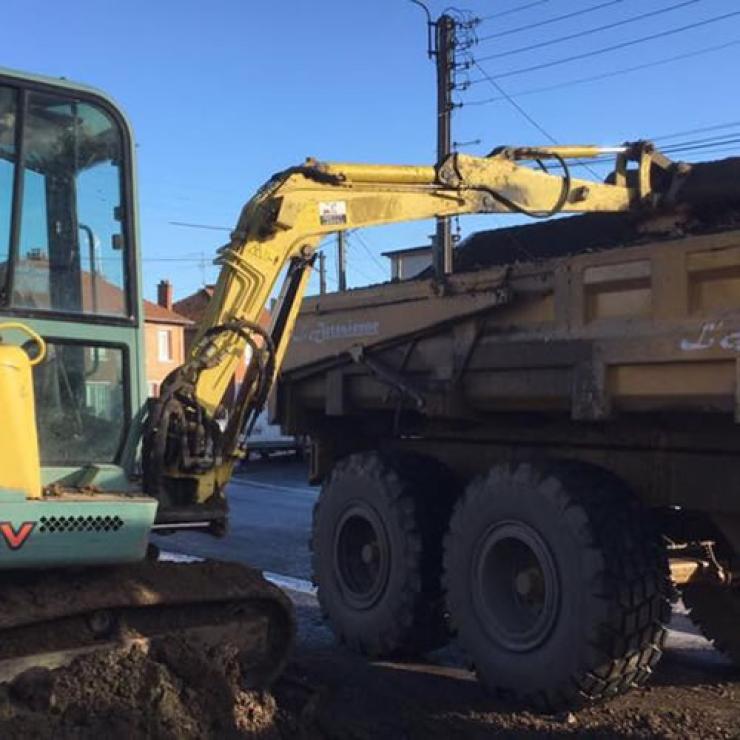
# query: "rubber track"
[40,610]
[634,578]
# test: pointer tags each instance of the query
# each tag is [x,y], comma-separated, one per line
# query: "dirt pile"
[176,689]
[707,202]
[171,689]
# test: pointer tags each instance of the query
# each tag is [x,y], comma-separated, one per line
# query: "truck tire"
[557,585]
[716,611]
[376,553]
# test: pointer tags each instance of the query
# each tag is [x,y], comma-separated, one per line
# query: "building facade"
[194,307]
[408,263]
[164,336]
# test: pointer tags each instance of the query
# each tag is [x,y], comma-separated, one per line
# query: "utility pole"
[322,273]
[341,261]
[445,52]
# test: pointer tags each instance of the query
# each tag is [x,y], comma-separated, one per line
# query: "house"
[194,307]
[95,292]
[265,438]
[409,262]
[164,337]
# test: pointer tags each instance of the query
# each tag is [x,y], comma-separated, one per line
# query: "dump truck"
[537,452]
[89,470]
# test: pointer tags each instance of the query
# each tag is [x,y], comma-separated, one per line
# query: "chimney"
[164,294]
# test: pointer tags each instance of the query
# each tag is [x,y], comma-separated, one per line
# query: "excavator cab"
[72,400]
[68,272]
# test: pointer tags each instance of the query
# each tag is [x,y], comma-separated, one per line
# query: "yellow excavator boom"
[281,227]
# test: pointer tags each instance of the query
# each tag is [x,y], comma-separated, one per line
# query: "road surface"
[269,520]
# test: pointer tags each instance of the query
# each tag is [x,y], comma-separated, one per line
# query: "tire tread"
[417,619]
[629,573]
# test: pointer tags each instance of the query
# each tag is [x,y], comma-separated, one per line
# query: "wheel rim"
[361,556]
[516,589]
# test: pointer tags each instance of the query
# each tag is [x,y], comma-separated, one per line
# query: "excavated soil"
[170,690]
[708,202]
[180,690]
[396,702]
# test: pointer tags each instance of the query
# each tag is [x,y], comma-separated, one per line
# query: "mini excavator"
[88,468]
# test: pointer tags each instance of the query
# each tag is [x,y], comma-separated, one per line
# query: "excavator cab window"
[80,403]
[7,169]
[69,254]
[66,262]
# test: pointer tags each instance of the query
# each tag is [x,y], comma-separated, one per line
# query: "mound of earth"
[169,689]
[176,689]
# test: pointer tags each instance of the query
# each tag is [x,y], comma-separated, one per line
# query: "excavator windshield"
[66,262]
[62,245]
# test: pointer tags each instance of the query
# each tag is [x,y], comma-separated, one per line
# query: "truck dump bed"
[583,319]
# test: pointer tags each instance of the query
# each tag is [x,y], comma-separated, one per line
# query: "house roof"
[194,305]
[156,314]
[408,250]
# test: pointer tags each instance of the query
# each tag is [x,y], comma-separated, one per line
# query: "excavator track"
[48,619]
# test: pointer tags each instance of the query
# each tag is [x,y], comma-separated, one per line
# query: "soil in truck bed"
[708,202]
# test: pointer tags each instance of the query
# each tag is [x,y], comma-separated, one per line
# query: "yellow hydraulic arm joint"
[281,227]
[19,448]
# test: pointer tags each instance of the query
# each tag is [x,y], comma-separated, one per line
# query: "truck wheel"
[716,611]
[557,585]
[376,554]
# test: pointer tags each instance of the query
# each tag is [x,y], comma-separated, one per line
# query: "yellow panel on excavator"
[20,468]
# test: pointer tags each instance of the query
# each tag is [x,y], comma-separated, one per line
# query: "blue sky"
[223,94]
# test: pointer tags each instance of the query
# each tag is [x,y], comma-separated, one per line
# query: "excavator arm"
[193,435]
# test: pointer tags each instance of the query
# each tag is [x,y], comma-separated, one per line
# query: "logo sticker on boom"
[333,212]
[16,538]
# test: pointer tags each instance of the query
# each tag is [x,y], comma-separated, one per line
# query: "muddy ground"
[175,690]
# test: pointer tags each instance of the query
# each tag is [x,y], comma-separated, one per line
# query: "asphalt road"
[269,520]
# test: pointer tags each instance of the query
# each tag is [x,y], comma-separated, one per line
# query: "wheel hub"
[361,555]
[516,590]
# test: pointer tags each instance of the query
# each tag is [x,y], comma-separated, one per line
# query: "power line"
[699,145]
[588,31]
[521,110]
[722,149]
[701,130]
[709,144]
[199,226]
[362,272]
[356,267]
[614,47]
[566,16]
[172,259]
[516,105]
[117,261]
[511,11]
[706,140]
[606,75]
[356,235]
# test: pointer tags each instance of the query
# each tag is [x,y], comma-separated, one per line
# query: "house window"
[99,398]
[98,354]
[164,340]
